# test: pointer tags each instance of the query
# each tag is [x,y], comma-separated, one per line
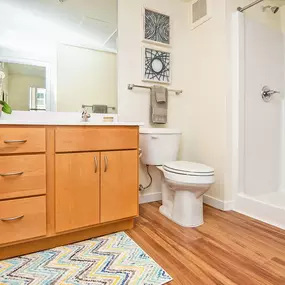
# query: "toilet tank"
[159,145]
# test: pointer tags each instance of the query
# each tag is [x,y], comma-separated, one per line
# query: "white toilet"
[183,182]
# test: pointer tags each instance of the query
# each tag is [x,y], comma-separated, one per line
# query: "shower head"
[274,9]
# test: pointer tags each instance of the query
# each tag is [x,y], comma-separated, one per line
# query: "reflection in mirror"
[85,77]
[24,86]
[59,55]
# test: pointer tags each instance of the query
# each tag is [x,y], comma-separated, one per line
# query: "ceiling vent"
[200,12]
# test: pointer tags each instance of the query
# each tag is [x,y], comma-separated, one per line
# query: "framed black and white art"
[156,65]
[156,27]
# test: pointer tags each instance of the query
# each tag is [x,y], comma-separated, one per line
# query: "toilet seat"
[188,168]
[188,172]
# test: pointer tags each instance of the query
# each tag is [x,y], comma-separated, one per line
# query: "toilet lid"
[188,168]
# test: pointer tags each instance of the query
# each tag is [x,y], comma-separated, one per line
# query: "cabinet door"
[119,185]
[76,190]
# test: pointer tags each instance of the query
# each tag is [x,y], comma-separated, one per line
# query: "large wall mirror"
[59,55]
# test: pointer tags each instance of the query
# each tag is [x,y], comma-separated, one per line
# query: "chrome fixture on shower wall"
[267,93]
[274,9]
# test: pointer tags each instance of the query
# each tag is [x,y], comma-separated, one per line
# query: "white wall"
[282,18]
[206,138]
[85,77]
[199,69]
[134,105]
[19,90]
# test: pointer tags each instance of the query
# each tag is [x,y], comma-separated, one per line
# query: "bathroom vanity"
[63,180]
[62,184]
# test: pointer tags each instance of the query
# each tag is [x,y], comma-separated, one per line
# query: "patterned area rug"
[110,260]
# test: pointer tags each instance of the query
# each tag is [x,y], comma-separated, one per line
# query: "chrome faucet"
[85,115]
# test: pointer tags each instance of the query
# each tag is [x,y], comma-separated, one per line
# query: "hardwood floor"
[228,249]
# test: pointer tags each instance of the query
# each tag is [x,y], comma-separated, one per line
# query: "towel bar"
[132,86]
[90,106]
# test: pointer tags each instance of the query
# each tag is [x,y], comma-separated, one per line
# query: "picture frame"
[156,27]
[156,63]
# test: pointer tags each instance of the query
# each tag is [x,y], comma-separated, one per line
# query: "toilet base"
[180,203]
[164,212]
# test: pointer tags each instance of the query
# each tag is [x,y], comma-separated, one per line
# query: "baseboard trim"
[151,197]
[218,204]
[209,200]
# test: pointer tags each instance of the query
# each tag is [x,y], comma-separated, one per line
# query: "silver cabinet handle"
[15,141]
[12,219]
[106,163]
[11,174]
[96,164]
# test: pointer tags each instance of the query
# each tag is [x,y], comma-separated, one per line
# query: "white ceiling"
[86,22]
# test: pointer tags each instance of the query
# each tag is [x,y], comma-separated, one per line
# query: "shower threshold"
[268,208]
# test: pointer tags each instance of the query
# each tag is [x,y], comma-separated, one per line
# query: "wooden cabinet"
[22,176]
[119,180]
[78,180]
[22,140]
[22,219]
[76,190]
[61,184]
[72,139]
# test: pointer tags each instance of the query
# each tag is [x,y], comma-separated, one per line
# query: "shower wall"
[264,65]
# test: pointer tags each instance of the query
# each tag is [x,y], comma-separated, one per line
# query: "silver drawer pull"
[11,174]
[15,141]
[106,163]
[12,219]
[96,163]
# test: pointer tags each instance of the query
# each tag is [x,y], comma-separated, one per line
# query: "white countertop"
[61,119]
[68,123]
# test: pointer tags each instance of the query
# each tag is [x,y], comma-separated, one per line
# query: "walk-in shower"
[258,112]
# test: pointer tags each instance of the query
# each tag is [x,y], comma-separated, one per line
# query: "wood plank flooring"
[228,249]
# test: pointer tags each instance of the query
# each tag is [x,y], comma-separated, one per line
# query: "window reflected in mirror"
[37,99]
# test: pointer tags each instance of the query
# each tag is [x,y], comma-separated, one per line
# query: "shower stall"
[258,161]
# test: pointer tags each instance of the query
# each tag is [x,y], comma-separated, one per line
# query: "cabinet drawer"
[22,175]
[93,139]
[22,219]
[22,140]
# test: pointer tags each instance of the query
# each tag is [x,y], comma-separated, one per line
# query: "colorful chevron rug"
[110,260]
